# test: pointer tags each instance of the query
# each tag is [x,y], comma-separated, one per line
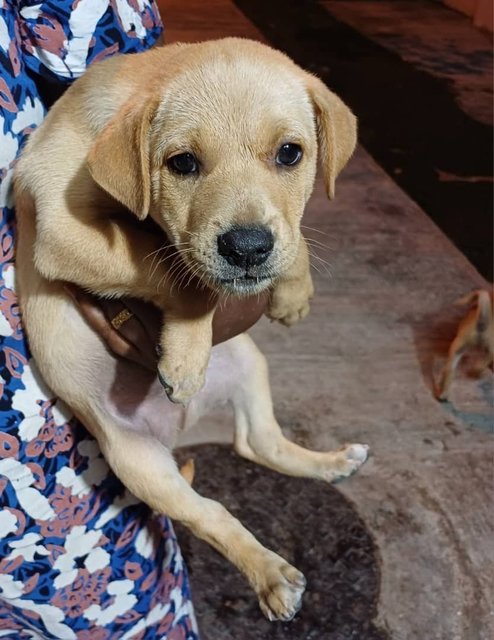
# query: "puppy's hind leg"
[258,436]
[149,471]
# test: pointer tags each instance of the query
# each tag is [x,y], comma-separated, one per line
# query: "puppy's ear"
[119,160]
[336,131]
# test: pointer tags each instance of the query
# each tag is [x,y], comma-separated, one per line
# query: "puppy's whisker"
[186,272]
[193,274]
[325,265]
[321,260]
[207,282]
[172,285]
[315,250]
[176,268]
[152,253]
[229,294]
[177,259]
[313,266]
[212,292]
[176,254]
[157,260]
[304,226]
[192,233]
[316,243]
[181,273]
[162,248]
[190,272]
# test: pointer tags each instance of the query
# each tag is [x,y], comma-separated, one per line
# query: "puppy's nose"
[246,246]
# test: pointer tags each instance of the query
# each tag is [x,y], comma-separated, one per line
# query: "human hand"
[131,327]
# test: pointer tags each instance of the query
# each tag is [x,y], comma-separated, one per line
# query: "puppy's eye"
[183,164]
[289,155]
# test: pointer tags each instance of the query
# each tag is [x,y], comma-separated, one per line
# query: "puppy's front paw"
[185,346]
[179,381]
[287,313]
[344,463]
[290,303]
[280,597]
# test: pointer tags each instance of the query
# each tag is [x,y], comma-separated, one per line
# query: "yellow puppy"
[215,142]
[185,162]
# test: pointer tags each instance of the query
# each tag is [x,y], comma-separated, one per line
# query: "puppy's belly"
[137,400]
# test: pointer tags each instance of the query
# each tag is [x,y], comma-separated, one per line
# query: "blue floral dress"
[79,556]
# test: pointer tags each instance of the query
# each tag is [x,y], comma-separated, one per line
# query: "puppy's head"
[223,157]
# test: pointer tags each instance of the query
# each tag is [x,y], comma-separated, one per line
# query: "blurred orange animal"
[476,330]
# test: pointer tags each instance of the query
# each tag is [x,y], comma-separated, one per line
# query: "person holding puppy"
[79,556]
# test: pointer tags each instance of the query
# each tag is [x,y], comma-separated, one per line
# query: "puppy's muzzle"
[246,247]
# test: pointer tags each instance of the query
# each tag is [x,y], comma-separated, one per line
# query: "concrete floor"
[359,368]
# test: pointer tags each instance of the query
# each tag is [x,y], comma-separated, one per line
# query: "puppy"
[216,143]
[476,330]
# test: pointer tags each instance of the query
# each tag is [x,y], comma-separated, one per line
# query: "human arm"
[138,336]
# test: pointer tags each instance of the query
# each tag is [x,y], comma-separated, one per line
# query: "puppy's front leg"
[149,471]
[258,436]
[186,341]
[290,297]
[112,258]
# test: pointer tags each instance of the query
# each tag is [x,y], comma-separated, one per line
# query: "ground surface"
[305,521]
[414,529]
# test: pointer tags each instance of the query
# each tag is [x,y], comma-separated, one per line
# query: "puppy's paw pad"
[282,598]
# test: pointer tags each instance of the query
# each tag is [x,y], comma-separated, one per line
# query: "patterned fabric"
[79,556]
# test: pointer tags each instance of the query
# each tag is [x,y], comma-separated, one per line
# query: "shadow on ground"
[312,525]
